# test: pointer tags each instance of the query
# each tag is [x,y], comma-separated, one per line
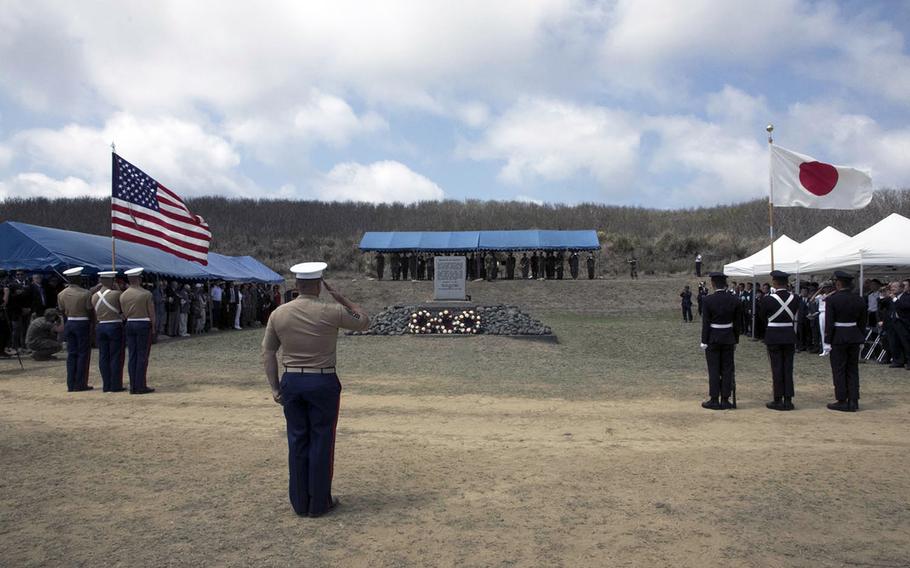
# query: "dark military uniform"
[139,309]
[845,330]
[779,310]
[535,266]
[720,333]
[510,266]
[76,304]
[573,265]
[110,338]
[380,265]
[525,265]
[590,263]
[395,261]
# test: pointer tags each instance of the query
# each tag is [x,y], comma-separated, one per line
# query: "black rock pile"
[494,320]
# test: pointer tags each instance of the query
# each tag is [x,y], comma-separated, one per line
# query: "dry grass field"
[464,452]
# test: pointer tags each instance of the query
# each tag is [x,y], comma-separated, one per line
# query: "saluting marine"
[139,311]
[719,336]
[845,331]
[306,330]
[75,302]
[778,310]
[109,332]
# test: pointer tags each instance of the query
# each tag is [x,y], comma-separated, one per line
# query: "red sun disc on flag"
[818,178]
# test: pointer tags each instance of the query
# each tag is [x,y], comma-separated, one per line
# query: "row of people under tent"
[23,297]
[181,308]
[887,305]
[547,265]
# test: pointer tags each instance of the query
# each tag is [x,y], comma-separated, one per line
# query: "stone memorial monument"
[449,283]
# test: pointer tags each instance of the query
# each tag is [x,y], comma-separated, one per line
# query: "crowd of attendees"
[888,331]
[181,308]
[487,265]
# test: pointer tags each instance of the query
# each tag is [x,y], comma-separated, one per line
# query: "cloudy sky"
[639,102]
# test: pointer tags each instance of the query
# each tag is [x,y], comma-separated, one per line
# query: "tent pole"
[860,273]
[754,290]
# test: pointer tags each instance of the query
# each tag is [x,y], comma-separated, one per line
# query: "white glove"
[704,346]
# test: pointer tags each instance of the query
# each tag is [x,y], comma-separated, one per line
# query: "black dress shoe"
[840,406]
[775,404]
[725,404]
[332,506]
[121,389]
[895,366]
[852,405]
[145,390]
[787,404]
[711,404]
[85,388]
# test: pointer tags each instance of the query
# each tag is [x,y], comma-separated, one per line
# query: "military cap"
[309,270]
[75,271]
[107,274]
[779,275]
[717,276]
[134,271]
[843,276]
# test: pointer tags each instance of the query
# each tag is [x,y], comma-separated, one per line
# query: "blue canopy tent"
[35,248]
[461,241]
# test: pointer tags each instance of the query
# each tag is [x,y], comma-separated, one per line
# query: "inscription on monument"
[449,283]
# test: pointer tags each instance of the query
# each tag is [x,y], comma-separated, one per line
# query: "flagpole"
[770,129]
[113,240]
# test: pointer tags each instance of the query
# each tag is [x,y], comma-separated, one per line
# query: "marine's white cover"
[883,244]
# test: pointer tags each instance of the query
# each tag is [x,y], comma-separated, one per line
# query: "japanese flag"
[798,180]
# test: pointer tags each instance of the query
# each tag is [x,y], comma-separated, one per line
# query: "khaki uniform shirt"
[137,303]
[107,309]
[307,330]
[75,302]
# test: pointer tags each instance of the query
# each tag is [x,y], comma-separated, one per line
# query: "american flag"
[144,211]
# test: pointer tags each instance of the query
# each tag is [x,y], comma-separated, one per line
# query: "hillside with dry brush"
[280,232]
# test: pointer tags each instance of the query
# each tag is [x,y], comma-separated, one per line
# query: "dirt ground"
[464,451]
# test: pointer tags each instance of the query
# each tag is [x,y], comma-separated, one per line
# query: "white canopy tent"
[784,248]
[807,251]
[885,245]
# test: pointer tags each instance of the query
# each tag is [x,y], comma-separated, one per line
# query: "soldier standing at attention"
[76,304]
[395,261]
[590,264]
[573,265]
[535,266]
[719,336]
[845,330]
[779,310]
[510,266]
[306,330]
[139,311]
[109,332]
[525,265]
[560,265]
[380,265]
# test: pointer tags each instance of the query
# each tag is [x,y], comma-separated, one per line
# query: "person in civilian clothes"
[573,265]
[510,266]
[590,263]
[159,297]
[216,294]
[109,332]
[395,265]
[845,332]
[42,335]
[173,309]
[139,311]
[778,310]
[535,265]
[686,303]
[306,331]
[38,296]
[525,265]
[719,336]
[412,266]
[75,303]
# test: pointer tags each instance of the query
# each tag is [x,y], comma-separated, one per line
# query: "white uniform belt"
[77,318]
[138,319]
[845,324]
[110,321]
[780,324]
[721,325]
[310,370]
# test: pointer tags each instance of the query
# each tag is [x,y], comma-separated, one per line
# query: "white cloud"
[178,153]
[528,199]
[33,184]
[379,182]
[320,118]
[554,140]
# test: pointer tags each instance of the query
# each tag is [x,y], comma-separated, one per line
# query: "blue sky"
[648,103]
